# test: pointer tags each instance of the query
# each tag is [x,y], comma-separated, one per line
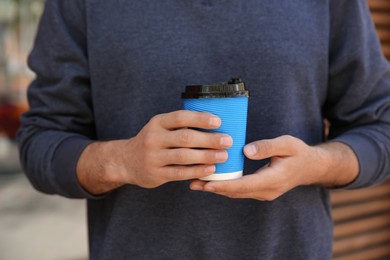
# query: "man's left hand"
[292,163]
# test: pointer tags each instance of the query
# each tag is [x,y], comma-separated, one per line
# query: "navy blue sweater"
[104,68]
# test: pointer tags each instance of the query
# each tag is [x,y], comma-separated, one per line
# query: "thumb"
[280,146]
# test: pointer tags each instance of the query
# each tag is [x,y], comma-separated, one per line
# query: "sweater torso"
[142,55]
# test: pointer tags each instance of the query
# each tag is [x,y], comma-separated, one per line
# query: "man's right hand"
[165,150]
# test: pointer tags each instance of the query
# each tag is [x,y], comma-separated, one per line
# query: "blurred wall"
[18,22]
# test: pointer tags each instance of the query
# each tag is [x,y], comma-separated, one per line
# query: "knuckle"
[180,156]
[157,119]
[148,182]
[207,157]
[266,147]
[178,119]
[185,137]
[150,174]
[177,173]
[149,140]
[151,185]
[289,139]
[293,143]
[269,197]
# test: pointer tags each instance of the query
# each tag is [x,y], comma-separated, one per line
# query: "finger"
[245,184]
[239,195]
[196,139]
[262,196]
[200,184]
[264,179]
[265,184]
[280,146]
[181,173]
[186,118]
[184,156]
[197,185]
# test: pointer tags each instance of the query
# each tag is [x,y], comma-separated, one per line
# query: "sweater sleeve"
[358,101]
[59,123]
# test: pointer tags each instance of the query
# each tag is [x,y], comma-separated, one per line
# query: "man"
[106,122]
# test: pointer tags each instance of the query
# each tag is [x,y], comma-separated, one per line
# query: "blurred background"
[37,226]
[32,225]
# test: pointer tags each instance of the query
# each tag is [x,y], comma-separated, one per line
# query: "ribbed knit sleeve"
[358,103]
[59,124]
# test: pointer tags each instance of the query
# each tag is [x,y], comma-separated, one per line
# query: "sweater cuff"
[367,154]
[64,165]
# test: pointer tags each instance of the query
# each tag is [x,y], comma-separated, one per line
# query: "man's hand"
[293,163]
[165,150]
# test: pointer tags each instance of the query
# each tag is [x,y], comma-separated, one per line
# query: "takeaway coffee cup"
[229,101]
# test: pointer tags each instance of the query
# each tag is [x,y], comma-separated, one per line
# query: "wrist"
[338,164]
[98,169]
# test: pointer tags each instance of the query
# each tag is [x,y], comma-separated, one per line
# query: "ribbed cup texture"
[233,113]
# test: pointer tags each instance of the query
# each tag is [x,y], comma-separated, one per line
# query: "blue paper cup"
[229,101]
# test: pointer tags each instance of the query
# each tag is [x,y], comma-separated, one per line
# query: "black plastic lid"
[233,88]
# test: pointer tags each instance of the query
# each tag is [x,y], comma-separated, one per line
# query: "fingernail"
[209,169]
[215,122]
[226,141]
[250,149]
[221,156]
